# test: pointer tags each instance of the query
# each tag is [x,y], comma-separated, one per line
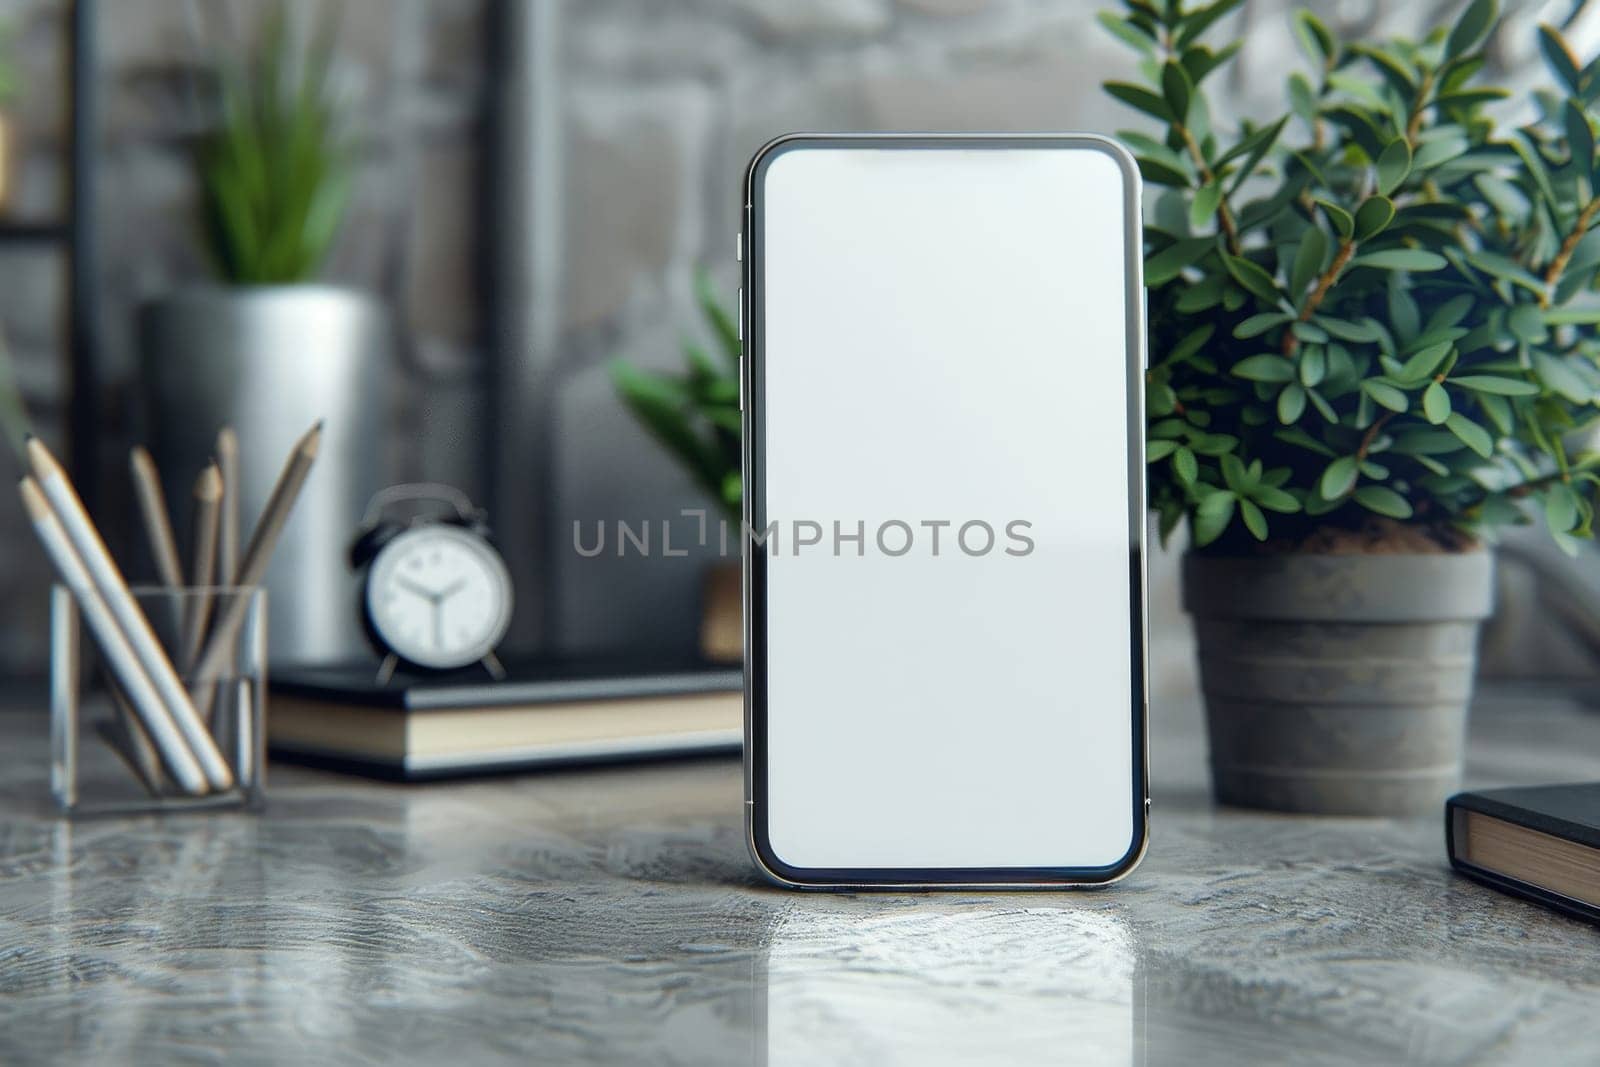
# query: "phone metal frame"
[751,386]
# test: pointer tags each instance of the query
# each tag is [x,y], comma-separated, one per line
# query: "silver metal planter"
[269,361]
[1338,684]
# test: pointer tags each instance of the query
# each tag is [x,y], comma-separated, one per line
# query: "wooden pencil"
[157,521]
[115,646]
[253,566]
[228,527]
[113,590]
[202,561]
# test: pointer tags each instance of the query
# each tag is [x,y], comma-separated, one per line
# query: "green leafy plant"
[275,174]
[1375,303]
[695,414]
[9,78]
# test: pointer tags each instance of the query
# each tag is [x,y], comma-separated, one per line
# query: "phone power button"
[741,383]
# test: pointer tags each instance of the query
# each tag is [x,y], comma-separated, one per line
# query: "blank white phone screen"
[945,368]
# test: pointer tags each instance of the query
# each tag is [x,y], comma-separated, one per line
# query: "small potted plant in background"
[695,416]
[266,348]
[1372,338]
[10,146]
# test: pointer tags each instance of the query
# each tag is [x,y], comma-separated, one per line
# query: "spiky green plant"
[695,415]
[275,174]
[1375,303]
[10,80]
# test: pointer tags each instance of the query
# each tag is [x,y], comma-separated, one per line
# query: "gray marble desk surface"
[610,916]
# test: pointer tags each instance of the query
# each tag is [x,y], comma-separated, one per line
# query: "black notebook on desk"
[1539,842]
[548,712]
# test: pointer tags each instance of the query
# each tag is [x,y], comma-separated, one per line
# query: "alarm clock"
[435,595]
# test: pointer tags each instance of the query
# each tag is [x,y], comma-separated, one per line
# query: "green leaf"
[1385,394]
[1160,172]
[1489,383]
[1587,316]
[722,321]
[1184,466]
[1319,43]
[1127,32]
[1253,148]
[1526,323]
[1308,260]
[1471,28]
[1559,58]
[1339,218]
[1191,343]
[1264,368]
[1435,403]
[1296,436]
[1559,376]
[1509,269]
[1498,408]
[1211,517]
[1393,166]
[1176,87]
[1274,499]
[1252,276]
[1291,403]
[1409,259]
[1313,365]
[1471,434]
[1534,161]
[1168,263]
[1197,22]
[1338,479]
[1205,204]
[1371,219]
[1384,501]
[1160,400]
[1580,138]
[1159,450]
[1256,325]
[1254,521]
[1324,408]
[1560,508]
[1424,362]
[1137,96]
[1430,154]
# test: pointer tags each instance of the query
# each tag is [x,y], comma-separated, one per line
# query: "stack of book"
[429,726]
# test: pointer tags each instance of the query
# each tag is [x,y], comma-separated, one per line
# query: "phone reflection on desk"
[849,982]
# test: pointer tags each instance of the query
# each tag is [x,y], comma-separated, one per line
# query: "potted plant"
[10,147]
[695,416]
[267,349]
[1371,338]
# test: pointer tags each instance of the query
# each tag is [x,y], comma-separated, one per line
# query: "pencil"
[202,561]
[253,567]
[128,738]
[228,529]
[114,645]
[157,524]
[113,590]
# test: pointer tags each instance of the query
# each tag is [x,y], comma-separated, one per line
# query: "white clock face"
[439,596]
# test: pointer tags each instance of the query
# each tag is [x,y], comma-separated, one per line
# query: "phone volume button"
[741,383]
[741,314]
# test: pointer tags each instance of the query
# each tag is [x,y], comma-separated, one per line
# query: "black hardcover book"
[1539,842]
[545,712]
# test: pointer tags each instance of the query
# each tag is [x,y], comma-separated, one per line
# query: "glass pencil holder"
[157,702]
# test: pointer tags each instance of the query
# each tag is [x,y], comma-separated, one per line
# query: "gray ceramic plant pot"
[269,361]
[1338,684]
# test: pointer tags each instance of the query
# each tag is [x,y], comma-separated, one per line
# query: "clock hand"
[438,625]
[452,589]
[412,587]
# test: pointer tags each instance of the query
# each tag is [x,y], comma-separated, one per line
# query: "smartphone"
[944,511]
